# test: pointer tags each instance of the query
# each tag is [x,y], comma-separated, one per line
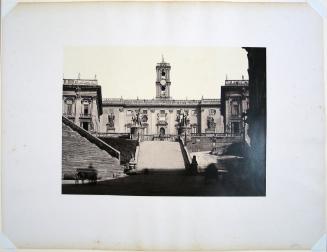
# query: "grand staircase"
[79,152]
[160,156]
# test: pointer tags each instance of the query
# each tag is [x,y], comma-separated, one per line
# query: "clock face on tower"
[163,82]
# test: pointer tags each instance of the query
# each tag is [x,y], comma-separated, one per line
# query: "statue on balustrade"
[111,120]
[211,123]
[137,118]
[228,128]
[182,118]
[144,118]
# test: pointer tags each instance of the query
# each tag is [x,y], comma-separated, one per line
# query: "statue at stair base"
[111,123]
[183,125]
[137,127]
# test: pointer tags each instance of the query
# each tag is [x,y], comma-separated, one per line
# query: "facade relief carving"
[183,118]
[111,121]
[211,125]
[162,118]
[144,118]
[137,118]
[78,92]
[86,100]
[70,99]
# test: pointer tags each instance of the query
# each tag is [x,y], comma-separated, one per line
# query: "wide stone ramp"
[160,156]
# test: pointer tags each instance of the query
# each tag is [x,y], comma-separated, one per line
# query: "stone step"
[78,152]
[160,155]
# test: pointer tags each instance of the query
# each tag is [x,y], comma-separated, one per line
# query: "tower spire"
[162,58]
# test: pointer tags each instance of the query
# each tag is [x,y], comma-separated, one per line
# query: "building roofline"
[159,102]
[96,88]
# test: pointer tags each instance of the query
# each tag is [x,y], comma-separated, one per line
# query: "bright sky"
[129,72]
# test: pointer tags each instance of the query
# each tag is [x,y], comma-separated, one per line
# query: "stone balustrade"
[156,102]
[236,82]
[80,82]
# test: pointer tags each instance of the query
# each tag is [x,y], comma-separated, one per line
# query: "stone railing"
[216,135]
[113,134]
[186,155]
[69,115]
[239,117]
[80,82]
[85,115]
[154,137]
[156,102]
[236,82]
[98,142]
[210,101]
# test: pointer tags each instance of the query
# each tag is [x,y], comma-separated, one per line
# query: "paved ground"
[154,184]
[160,155]
[172,183]
[204,158]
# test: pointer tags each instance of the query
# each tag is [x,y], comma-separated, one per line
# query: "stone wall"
[204,143]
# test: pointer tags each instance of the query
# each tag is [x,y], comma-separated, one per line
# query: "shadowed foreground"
[164,185]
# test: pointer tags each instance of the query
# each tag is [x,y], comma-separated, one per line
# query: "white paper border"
[317,5]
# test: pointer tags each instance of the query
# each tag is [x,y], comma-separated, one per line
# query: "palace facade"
[161,116]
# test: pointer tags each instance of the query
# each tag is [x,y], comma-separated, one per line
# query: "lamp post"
[244,115]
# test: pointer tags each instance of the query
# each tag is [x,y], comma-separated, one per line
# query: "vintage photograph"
[164,121]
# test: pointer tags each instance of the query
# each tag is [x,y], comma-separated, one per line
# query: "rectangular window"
[194,129]
[69,109]
[235,109]
[236,128]
[86,109]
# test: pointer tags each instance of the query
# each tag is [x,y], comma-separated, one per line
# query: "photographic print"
[164,121]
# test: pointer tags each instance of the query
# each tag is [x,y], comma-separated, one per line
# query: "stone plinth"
[137,131]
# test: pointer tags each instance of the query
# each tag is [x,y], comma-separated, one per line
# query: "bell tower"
[163,80]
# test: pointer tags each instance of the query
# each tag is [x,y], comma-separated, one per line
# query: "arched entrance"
[162,132]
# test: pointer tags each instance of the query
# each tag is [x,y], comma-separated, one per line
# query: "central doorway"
[162,132]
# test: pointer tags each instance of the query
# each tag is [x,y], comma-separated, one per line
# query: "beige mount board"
[158,201]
